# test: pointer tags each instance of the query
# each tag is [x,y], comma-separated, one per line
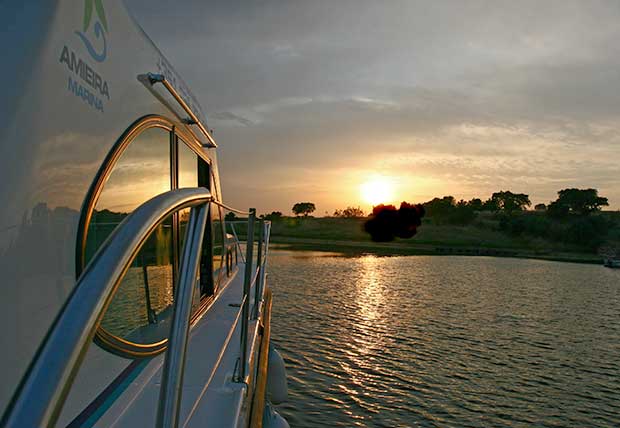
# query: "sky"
[309,100]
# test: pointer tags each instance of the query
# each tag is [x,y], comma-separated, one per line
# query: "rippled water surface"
[446,341]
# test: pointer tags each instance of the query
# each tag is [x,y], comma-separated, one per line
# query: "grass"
[481,238]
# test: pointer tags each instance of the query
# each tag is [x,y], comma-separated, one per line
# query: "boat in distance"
[127,298]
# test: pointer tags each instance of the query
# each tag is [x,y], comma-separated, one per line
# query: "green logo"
[100,29]
[88,13]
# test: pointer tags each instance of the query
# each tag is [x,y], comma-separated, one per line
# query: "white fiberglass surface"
[208,386]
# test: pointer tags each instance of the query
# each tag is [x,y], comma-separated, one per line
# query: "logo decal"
[84,80]
[100,29]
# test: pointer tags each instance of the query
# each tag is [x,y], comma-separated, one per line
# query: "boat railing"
[254,277]
[43,390]
[150,79]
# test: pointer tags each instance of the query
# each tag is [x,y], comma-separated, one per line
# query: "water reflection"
[370,322]
[37,266]
[446,341]
[370,290]
[141,307]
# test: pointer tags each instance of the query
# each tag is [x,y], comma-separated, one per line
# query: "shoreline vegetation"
[571,229]
[346,236]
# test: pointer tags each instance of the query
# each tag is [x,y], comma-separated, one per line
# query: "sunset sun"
[377,190]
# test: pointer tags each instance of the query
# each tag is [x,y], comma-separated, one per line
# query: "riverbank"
[346,236]
[352,248]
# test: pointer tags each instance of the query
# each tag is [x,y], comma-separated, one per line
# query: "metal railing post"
[174,364]
[246,294]
[266,244]
[232,228]
[259,266]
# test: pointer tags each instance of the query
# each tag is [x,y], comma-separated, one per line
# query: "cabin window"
[143,301]
[188,177]
[188,166]
[142,172]
[217,231]
[142,306]
[192,168]
[148,160]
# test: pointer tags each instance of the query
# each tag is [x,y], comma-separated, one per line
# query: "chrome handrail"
[41,395]
[249,248]
[259,262]
[153,78]
[232,228]
[261,280]
[226,207]
[43,390]
[261,258]
[174,364]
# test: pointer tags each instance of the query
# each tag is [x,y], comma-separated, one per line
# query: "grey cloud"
[324,85]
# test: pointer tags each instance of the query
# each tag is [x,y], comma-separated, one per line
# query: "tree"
[440,209]
[490,205]
[304,208]
[578,201]
[463,213]
[475,204]
[557,210]
[587,231]
[349,212]
[273,216]
[534,225]
[510,202]
[540,207]
[387,223]
[447,211]
[381,207]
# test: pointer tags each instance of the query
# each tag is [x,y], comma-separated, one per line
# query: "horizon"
[308,102]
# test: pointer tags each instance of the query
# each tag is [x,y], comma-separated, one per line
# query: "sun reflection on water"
[370,290]
[369,328]
[428,341]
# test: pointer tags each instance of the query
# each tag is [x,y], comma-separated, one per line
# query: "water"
[446,341]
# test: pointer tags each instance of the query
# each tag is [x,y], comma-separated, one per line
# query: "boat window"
[148,160]
[142,303]
[142,172]
[183,220]
[217,230]
[190,167]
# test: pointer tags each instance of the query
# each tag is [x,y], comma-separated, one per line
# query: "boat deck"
[209,392]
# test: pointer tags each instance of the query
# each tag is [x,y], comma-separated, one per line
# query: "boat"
[611,262]
[127,298]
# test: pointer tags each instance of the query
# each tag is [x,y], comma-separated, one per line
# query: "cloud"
[473,95]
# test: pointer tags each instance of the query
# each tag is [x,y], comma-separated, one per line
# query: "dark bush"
[527,223]
[387,222]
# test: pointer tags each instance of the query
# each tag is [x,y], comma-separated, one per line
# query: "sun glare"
[377,191]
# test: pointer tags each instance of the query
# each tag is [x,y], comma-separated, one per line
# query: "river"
[446,341]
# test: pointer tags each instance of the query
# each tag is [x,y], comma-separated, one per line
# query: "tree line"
[447,210]
[571,218]
[569,202]
[568,219]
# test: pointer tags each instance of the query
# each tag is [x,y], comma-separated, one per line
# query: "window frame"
[177,135]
